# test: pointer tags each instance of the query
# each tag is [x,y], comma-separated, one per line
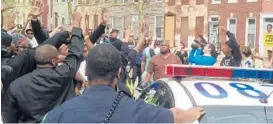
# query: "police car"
[224,99]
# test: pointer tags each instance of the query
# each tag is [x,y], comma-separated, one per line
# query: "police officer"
[101,103]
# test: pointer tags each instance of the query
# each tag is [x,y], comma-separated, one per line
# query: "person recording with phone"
[202,53]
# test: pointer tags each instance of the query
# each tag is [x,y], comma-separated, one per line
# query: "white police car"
[225,100]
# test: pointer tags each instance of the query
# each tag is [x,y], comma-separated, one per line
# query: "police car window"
[236,114]
[269,114]
[158,94]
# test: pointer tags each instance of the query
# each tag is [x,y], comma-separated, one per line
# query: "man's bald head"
[46,54]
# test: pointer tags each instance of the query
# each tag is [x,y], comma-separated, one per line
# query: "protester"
[21,43]
[101,95]
[196,57]
[157,63]
[231,50]
[267,61]
[56,81]
[146,57]
[30,36]
[131,42]
[24,62]
[7,46]
[246,57]
[182,53]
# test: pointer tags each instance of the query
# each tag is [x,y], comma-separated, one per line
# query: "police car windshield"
[237,114]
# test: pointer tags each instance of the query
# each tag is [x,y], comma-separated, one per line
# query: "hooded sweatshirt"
[235,58]
[198,59]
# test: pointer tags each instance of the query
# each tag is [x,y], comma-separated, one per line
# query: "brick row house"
[188,18]
[184,20]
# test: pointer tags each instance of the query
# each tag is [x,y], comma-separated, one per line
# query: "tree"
[69,7]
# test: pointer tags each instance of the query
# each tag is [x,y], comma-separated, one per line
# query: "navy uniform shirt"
[94,104]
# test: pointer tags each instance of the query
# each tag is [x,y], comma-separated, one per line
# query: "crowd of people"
[72,75]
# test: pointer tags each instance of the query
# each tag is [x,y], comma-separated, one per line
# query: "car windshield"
[237,114]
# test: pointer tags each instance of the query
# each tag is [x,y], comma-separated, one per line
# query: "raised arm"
[232,43]
[100,29]
[38,32]
[73,59]
[36,11]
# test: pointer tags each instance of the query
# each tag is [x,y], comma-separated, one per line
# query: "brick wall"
[240,11]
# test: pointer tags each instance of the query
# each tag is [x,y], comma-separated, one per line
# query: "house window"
[135,1]
[87,1]
[251,1]
[56,19]
[171,2]
[232,1]
[158,26]
[216,1]
[87,21]
[214,31]
[63,1]
[158,1]
[97,1]
[56,1]
[63,21]
[134,23]
[232,26]
[124,1]
[251,32]
[185,2]
[199,2]
[24,18]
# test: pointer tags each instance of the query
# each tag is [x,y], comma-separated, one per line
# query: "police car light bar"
[223,72]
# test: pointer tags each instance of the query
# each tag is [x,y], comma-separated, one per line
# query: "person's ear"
[118,73]
[55,61]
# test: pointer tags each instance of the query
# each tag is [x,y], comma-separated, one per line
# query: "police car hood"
[223,92]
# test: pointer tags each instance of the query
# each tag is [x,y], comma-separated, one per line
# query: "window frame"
[251,1]
[247,31]
[155,27]
[232,1]
[216,2]
[167,90]
[158,1]
[228,24]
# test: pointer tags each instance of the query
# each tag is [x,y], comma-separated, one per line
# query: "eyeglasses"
[29,33]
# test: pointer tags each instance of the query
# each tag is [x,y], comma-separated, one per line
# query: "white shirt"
[82,69]
[33,42]
[248,62]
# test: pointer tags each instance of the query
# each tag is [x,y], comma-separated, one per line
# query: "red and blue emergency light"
[223,72]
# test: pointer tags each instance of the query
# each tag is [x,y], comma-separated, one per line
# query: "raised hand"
[127,32]
[36,9]
[76,19]
[9,22]
[4,7]
[144,26]
[104,17]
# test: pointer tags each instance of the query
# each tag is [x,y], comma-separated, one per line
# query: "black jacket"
[31,96]
[183,57]
[39,34]
[25,62]
[235,58]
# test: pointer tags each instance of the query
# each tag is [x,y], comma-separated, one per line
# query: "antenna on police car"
[264,100]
